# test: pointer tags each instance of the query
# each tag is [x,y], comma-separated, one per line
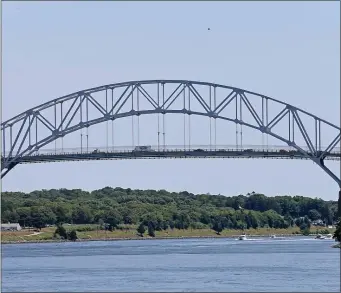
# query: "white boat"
[329,236]
[273,236]
[242,237]
[319,236]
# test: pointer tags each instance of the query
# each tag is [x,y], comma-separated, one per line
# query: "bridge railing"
[169,148]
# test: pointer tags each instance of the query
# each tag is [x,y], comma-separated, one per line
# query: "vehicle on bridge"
[143,148]
[248,150]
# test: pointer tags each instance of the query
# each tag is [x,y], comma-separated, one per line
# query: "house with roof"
[10,227]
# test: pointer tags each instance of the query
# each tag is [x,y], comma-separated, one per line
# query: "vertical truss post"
[138,117]
[293,127]
[81,120]
[4,142]
[107,122]
[289,125]
[189,117]
[36,133]
[132,119]
[267,121]
[210,97]
[215,119]
[319,135]
[241,120]
[61,124]
[184,98]
[87,123]
[158,117]
[29,130]
[237,145]
[11,138]
[263,122]
[164,132]
[316,137]
[163,116]
[112,121]
[55,126]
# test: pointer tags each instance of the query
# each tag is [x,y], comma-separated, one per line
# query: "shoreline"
[144,238]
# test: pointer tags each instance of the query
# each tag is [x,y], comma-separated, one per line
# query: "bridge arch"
[21,143]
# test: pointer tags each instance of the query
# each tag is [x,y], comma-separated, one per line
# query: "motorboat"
[273,236]
[319,236]
[242,237]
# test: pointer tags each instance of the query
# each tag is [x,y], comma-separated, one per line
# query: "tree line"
[161,210]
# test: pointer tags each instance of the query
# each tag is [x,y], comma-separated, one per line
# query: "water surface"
[298,264]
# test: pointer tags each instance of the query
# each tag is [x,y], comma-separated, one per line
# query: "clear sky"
[287,50]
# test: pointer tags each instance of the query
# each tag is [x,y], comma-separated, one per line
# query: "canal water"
[296,265]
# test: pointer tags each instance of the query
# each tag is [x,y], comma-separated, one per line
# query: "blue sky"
[289,51]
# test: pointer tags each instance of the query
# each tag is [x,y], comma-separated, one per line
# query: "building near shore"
[10,227]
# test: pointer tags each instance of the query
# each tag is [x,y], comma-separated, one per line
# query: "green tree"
[180,210]
[127,220]
[171,224]
[25,218]
[113,218]
[217,227]
[9,216]
[82,215]
[41,216]
[314,215]
[141,229]
[62,212]
[151,230]
[101,224]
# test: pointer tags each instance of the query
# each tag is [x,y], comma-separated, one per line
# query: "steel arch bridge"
[27,133]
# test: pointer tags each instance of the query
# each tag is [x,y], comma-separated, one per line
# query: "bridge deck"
[163,154]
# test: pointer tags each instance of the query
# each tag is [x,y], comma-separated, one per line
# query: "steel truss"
[65,120]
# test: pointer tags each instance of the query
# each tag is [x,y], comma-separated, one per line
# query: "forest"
[162,209]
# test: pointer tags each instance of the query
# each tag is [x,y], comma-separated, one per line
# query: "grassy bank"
[91,232]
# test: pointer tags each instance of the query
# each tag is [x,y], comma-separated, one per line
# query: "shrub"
[72,235]
[61,232]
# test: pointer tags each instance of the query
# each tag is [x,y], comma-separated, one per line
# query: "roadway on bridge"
[155,152]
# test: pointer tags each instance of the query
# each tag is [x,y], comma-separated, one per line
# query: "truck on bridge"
[143,148]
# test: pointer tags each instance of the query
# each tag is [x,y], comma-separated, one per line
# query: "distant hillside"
[164,209]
